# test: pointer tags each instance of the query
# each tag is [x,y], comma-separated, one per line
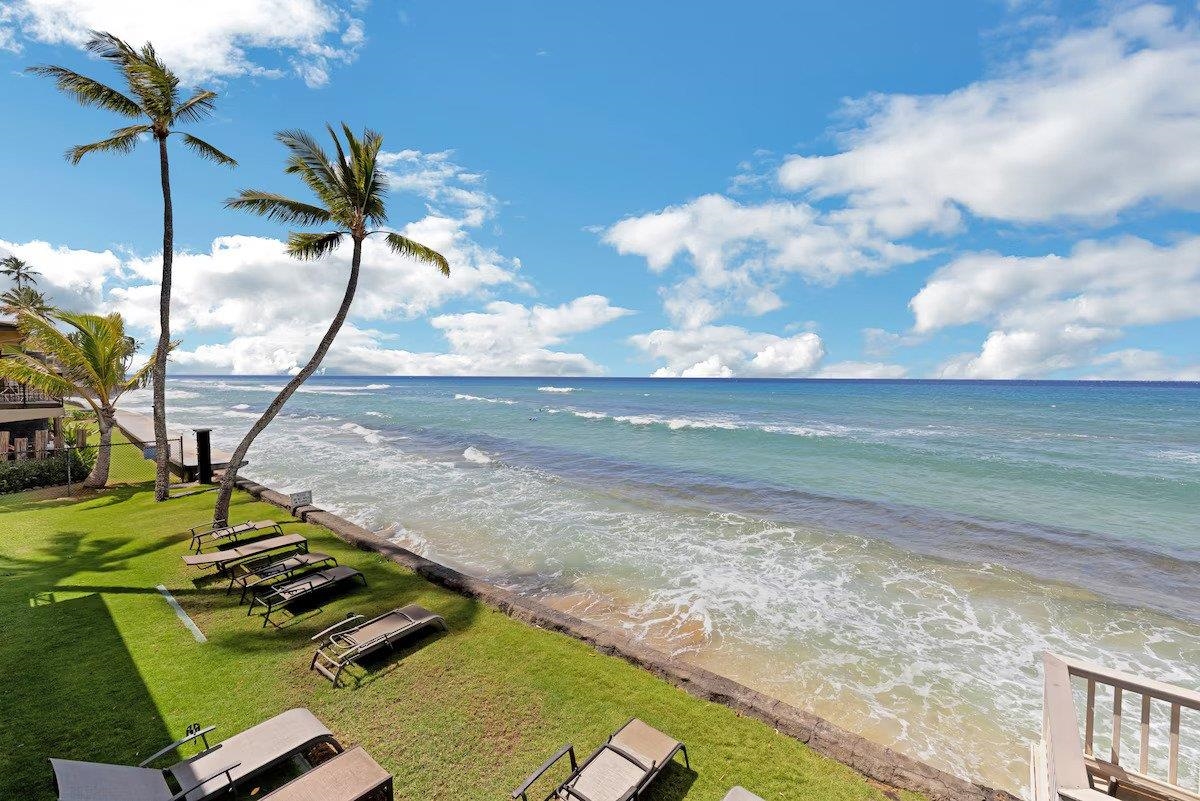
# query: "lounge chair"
[212,772]
[257,574]
[297,587]
[231,533]
[221,560]
[741,794]
[344,643]
[349,776]
[619,770]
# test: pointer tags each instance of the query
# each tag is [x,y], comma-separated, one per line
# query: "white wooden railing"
[1064,766]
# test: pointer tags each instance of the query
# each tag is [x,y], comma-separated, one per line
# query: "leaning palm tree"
[90,360]
[24,297]
[350,193]
[155,102]
[18,271]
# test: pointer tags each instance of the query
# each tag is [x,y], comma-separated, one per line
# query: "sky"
[993,189]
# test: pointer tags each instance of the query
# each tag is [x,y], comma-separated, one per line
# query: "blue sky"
[989,190]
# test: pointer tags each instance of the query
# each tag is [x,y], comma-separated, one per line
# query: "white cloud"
[202,41]
[724,351]
[862,370]
[1053,313]
[741,254]
[505,339]
[1135,364]
[1094,123]
[68,277]
[443,183]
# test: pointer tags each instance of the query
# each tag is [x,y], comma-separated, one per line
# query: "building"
[24,411]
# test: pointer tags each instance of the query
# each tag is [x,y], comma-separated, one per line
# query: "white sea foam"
[241,407]
[377,386]
[461,396]
[369,435]
[376,414]
[587,415]
[473,454]
[558,389]
[1187,457]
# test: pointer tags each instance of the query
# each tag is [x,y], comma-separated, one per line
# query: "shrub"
[31,473]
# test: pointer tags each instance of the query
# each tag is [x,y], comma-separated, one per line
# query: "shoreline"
[873,760]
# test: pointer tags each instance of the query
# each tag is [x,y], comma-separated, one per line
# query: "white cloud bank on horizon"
[1092,124]
[202,41]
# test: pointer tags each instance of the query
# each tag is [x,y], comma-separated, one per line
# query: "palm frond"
[279,208]
[122,140]
[408,247]
[88,91]
[27,369]
[196,107]
[313,246]
[109,47]
[207,151]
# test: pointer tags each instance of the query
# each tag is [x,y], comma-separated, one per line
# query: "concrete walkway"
[139,428]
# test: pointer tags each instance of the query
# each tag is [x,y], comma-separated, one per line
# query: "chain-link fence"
[76,468]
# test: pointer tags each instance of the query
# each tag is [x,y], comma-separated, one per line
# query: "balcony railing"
[14,395]
[1064,765]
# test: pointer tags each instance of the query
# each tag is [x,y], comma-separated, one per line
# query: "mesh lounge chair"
[212,772]
[741,794]
[221,560]
[343,644]
[349,776]
[258,574]
[231,533]
[287,592]
[619,770]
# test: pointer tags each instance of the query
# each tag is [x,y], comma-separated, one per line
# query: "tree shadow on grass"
[72,690]
[673,784]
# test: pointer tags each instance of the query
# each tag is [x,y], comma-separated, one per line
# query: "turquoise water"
[893,555]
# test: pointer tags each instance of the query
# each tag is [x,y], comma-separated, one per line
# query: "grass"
[96,666]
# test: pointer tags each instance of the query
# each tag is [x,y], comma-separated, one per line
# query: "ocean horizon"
[892,554]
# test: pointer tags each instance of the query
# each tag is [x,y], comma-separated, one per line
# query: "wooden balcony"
[1065,765]
[20,396]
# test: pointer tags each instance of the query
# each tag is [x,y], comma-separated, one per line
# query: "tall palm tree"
[90,360]
[350,193]
[24,297]
[18,271]
[154,101]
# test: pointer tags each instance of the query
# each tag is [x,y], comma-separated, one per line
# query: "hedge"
[30,473]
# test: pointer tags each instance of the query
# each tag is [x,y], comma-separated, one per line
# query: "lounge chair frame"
[260,573]
[285,593]
[228,532]
[337,653]
[222,560]
[565,790]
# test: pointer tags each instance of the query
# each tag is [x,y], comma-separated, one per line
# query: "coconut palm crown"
[90,361]
[18,271]
[155,107]
[350,190]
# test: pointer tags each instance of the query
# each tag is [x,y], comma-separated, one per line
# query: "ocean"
[893,556]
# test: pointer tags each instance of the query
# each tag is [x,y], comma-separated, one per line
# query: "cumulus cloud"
[1091,124]
[67,276]
[505,339]
[1052,313]
[201,41]
[726,351]
[851,369]
[740,254]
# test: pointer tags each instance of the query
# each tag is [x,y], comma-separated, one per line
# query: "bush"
[31,473]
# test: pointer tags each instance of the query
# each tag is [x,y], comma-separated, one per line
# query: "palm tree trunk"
[225,494]
[162,477]
[99,475]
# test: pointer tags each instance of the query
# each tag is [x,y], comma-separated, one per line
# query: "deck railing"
[14,394]
[1063,765]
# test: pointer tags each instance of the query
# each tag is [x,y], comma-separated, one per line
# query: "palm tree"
[90,361]
[24,297]
[19,271]
[154,101]
[350,199]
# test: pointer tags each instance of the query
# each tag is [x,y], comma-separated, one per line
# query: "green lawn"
[96,666]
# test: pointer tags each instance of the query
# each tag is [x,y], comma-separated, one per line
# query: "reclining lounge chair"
[256,575]
[287,592]
[222,559]
[619,770]
[231,533]
[211,773]
[344,643]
